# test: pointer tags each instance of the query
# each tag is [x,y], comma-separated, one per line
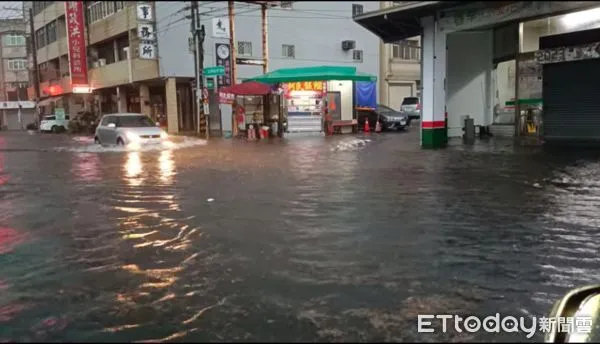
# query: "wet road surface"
[308,239]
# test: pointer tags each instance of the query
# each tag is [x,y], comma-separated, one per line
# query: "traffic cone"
[366,128]
[378,126]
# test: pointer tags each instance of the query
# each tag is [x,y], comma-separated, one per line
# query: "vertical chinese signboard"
[223,55]
[146,32]
[76,41]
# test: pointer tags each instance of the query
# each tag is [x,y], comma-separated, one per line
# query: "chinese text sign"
[76,40]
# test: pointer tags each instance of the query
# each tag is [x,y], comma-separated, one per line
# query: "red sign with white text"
[76,41]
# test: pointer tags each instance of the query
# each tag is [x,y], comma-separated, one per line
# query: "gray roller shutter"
[571,92]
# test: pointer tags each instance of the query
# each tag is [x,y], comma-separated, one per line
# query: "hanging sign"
[220,28]
[144,12]
[146,32]
[76,42]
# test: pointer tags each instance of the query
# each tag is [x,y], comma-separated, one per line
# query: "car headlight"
[133,137]
[164,135]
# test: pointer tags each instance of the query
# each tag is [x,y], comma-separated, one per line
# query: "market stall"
[310,92]
[255,106]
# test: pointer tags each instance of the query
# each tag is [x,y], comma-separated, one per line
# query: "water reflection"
[166,166]
[86,167]
[134,168]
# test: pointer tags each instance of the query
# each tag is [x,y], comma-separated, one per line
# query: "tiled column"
[121,99]
[145,100]
[172,116]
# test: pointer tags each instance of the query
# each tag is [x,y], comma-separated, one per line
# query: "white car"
[129,129]
[51,124]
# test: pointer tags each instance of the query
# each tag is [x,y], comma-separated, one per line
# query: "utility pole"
[232,47]
[265,41]
[36,72]
[198,35]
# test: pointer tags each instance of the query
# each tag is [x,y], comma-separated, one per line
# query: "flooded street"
[308,239]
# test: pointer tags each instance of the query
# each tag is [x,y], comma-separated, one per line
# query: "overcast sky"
[6,9]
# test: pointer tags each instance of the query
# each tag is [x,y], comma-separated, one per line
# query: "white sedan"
[129,129]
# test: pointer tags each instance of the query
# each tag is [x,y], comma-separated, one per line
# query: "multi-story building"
[141,61]
[400,74]
[300,34]
[14,76]
[121,78]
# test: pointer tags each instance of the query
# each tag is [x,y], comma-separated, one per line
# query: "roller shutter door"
[571,92]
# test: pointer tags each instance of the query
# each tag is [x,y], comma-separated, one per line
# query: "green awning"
[320,73]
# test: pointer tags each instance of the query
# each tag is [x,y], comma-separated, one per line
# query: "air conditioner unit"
[101,62]
[348,45]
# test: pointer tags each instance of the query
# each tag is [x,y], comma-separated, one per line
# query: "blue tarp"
[366,94]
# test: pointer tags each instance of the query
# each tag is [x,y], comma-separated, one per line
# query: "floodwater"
[307,239]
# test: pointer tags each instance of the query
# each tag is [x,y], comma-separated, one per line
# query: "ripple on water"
[86,145]
[308,241]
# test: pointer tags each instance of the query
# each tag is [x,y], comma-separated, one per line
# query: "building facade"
[300,34]
[141,61]
[14,75]
[121,74]
[400,67]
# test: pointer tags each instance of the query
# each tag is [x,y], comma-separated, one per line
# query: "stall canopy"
[251,88]
[320,73]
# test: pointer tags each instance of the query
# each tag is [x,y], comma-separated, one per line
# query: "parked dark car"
[390,118]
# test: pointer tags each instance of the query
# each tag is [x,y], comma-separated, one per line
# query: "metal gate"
[571,94]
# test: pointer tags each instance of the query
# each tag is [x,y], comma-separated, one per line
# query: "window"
[286,4]
[244,48]
[357,55]
[17,64]
[102,9]
[357,10]
[40,38]
[13,39]
[288,51]
[407,50]
[51,32]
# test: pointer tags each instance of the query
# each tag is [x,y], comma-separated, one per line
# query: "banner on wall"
[366,94]
[76,43]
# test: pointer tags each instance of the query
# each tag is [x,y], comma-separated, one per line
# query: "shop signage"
[144,11]
[76,42]
[214,71]
[17,105]
[562,54]
[226,98]
[146,32]
[306,86]
[223,57]
[468,17]
[220,28]
[147,51]
[252,62]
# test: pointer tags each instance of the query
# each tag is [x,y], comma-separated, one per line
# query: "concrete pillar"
[121,99]
[172,115]
[145,100]
[433,123]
